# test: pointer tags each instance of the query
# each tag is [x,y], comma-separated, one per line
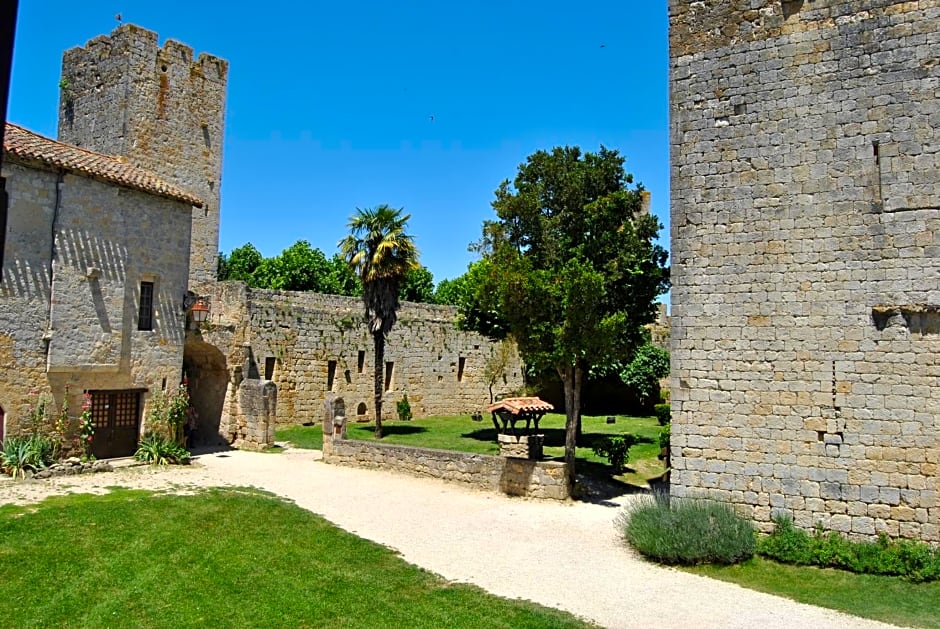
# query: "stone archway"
[207,374]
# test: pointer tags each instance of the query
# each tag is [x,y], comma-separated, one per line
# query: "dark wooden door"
[116,416]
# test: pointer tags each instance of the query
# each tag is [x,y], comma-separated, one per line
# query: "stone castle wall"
[124,95]
[311,344]
[806,260]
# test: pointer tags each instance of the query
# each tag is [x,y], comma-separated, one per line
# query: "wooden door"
[116,417]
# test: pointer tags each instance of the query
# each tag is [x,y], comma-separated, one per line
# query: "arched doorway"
[207,376]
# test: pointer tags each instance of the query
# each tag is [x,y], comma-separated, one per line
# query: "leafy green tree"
[650,364]
[474,294]
[342,280]
[418,286]
[447,292]
[573,266]
[381,253]
[299,267]
[240,264]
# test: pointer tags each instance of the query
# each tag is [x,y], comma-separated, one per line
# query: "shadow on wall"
[205,368]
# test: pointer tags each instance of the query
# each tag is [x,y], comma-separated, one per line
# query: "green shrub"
[616,449]
[664,436]
[404,408]
[158,449]
[663,413]
[687,531]
[913,560]
[26,454]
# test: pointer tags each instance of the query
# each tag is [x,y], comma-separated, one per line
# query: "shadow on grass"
[554,437]
[387,429]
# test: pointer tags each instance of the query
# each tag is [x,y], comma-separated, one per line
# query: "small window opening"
[348,375]
[361,362]
[269,364]
[145,314]
[389,375]
[461,363]
[330,374]
[163,385]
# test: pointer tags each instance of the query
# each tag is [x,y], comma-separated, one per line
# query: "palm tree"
[380,252]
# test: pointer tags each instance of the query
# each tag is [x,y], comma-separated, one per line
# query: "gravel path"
[567,556]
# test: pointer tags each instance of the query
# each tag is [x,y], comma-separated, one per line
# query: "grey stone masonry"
[77,252]
[515,477]
[124,94]
[312,345]
[522,446]
[805,336]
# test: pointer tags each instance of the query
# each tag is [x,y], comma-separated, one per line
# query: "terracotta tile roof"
[24,145]
[516,405]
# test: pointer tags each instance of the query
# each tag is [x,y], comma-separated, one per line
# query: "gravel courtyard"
[567,556]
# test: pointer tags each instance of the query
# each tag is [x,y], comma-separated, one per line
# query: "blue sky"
[422,105]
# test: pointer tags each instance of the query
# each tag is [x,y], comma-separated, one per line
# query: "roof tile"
[23,144]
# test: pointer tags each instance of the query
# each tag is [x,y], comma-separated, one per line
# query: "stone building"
[806,260]
[111,229]
[95,267]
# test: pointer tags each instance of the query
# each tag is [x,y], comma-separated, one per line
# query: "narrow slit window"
[269,363]
[145,314]
[360,365]
[389,375]
[461,363]
[330,374]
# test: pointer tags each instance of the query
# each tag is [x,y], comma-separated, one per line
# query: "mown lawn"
[462,434]
[888,599]
[220,558]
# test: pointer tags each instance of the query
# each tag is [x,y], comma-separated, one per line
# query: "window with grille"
[115,409]
[145,316]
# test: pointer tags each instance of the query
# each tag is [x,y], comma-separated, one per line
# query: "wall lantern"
[200,311]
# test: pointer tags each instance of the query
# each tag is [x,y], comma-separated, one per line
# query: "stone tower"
[806,260]
[124,95]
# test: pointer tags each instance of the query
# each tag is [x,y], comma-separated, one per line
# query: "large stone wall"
[806,260]
[516,477]
[125,95]
[77,250]
[310,344]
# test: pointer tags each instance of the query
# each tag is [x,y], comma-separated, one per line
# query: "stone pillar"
[334,419]
[521,447]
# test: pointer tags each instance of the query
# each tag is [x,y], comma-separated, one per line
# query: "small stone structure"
[512,476]
[509,412]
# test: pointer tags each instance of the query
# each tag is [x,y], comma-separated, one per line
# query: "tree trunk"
[379,339]
[571,379]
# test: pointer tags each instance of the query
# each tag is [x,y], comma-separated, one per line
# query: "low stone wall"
[515,477]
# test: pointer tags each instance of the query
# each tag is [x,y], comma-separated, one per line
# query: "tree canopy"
[573,269]
[305,268]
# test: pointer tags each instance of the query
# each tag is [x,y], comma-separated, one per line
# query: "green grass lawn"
[220,558]
[464,435]
[888,599]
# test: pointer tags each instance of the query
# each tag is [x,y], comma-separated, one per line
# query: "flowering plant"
[86,428]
